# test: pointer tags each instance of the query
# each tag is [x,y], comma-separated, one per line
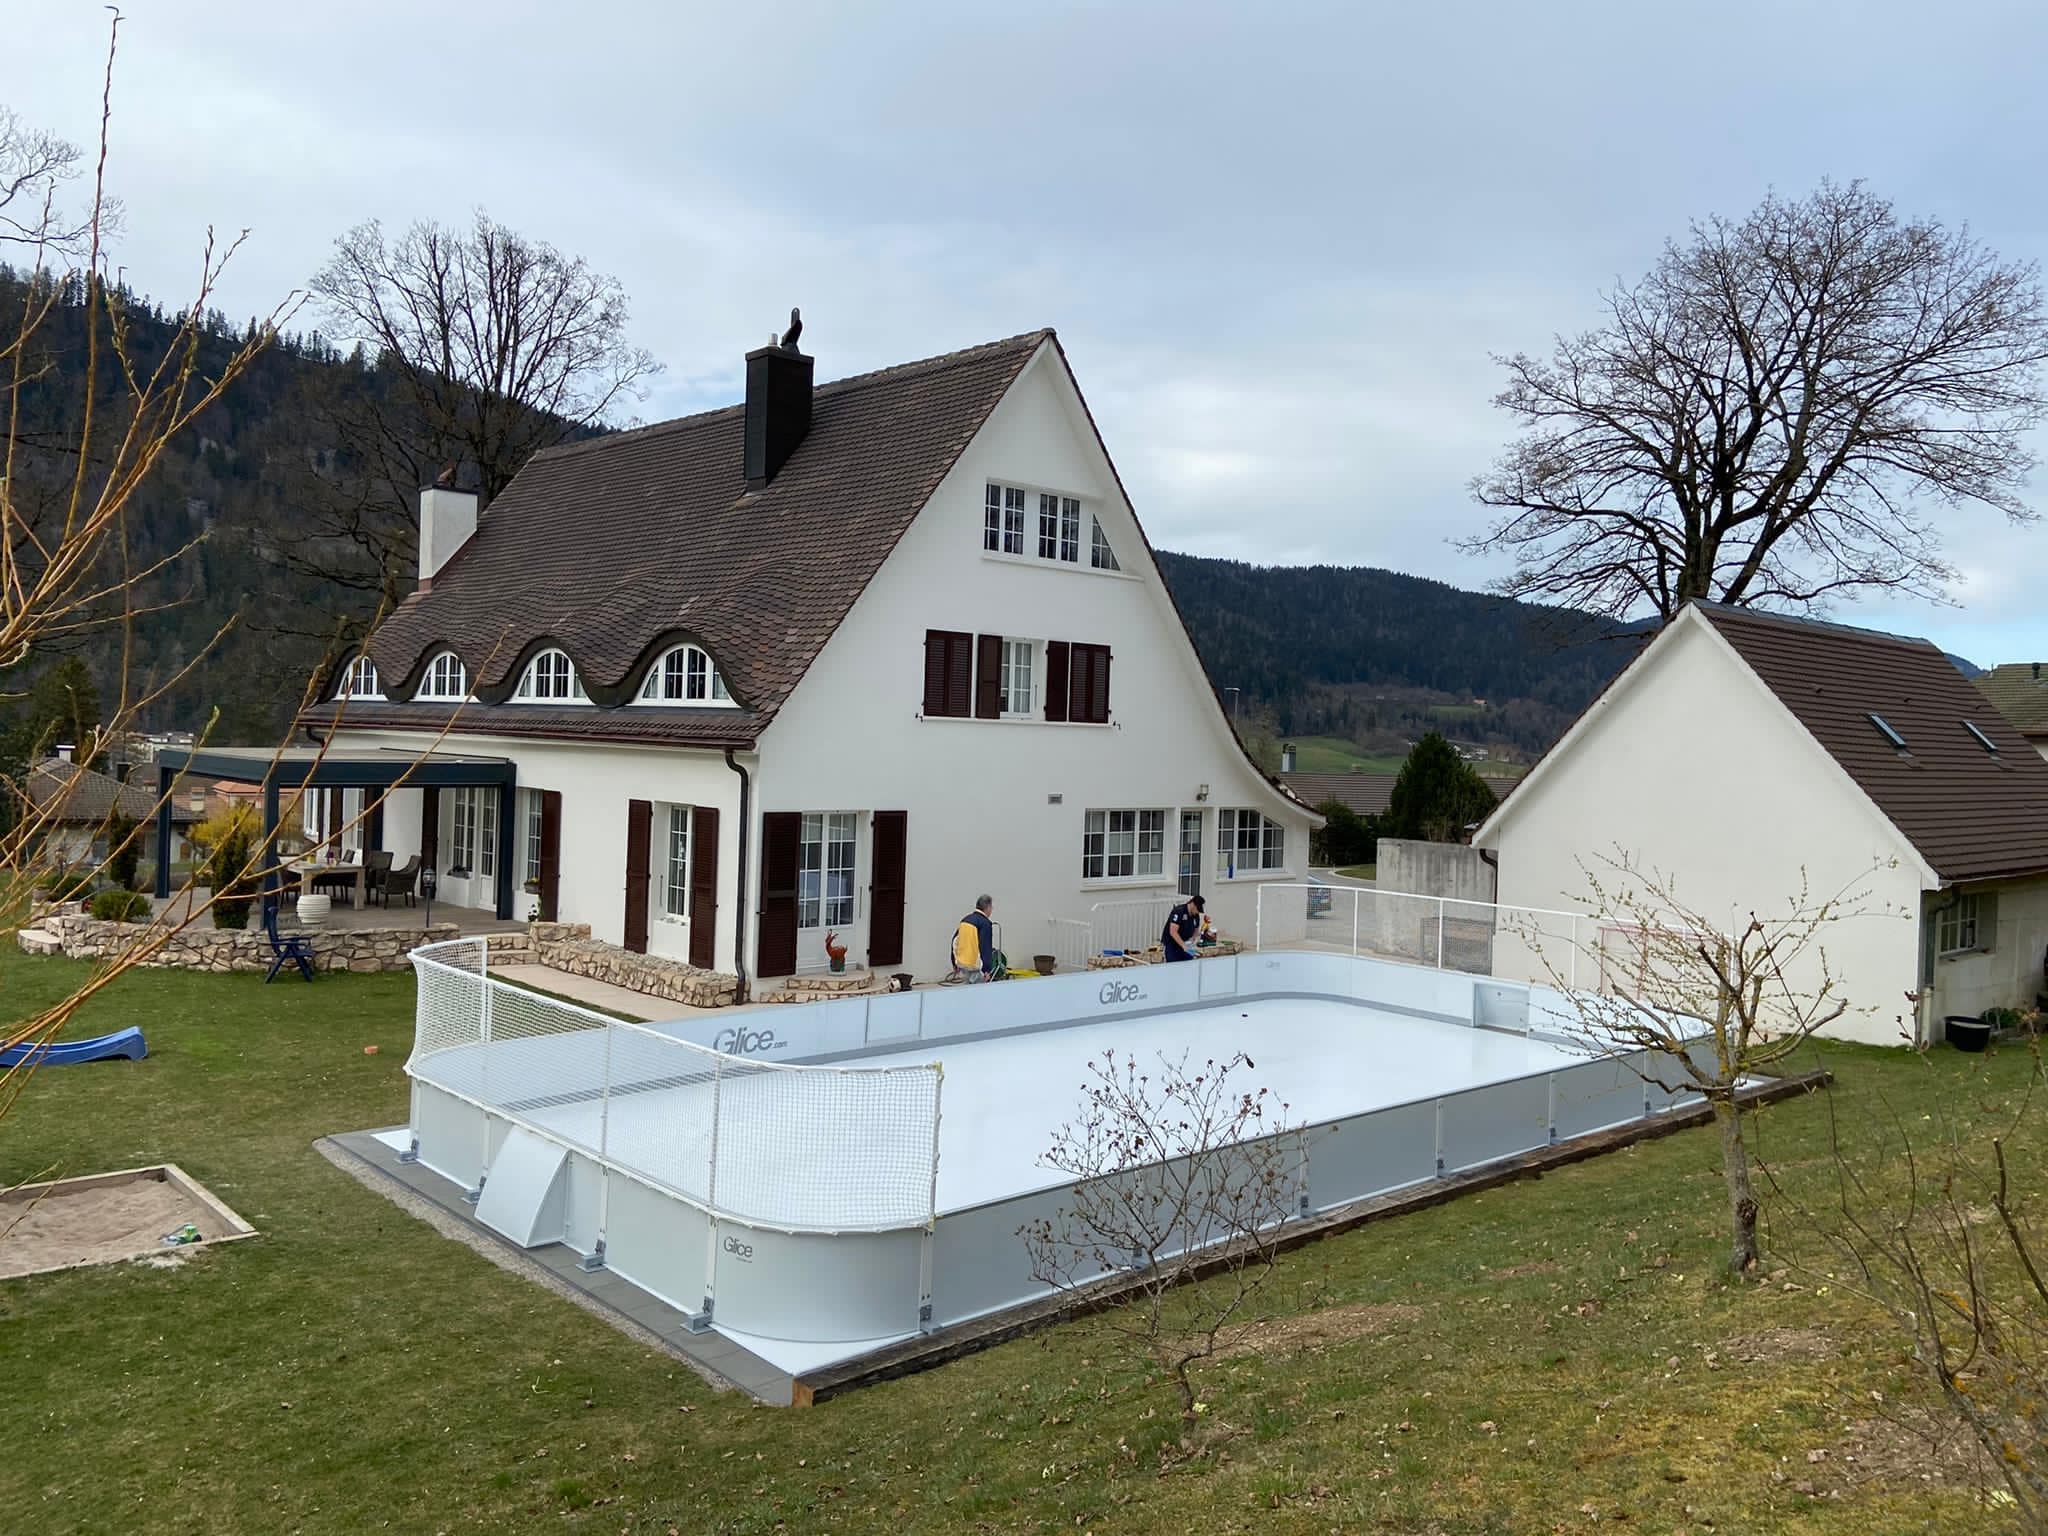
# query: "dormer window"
[550,678]
[360,681]
[684,674]
[446,682]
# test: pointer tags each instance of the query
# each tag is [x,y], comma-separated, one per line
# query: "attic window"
[1982,740]
[684,674]
[1884,728]
[550,677]
[360,681]
[447,680]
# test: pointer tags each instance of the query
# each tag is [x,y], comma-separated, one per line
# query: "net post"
[1439,933]
[1357,896]
[1258,916]
[700,1321]
[928,1237]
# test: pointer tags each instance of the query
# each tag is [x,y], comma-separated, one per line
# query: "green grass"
[1500,1364]
[1333,754]
[1361,871]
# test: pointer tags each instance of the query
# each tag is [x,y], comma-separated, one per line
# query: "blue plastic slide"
[122,1043]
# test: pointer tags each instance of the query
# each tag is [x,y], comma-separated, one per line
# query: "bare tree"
[1709,1008]
[1772,415]
[35,169]
[477,347]
[69,483]
[1178,1172]
[1920,1216]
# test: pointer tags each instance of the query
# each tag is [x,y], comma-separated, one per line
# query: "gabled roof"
[87,796]
[616,547]
[2019,691]
[1366,794]
[1973,814]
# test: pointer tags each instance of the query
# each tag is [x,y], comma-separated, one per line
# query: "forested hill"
[1378,658]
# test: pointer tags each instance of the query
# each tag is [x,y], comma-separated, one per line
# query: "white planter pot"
[313,910]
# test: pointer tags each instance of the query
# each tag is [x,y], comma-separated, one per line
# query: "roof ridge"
[960,355]
[1801,621]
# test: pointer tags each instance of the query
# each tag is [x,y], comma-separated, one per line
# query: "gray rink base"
[422,1193]
[725,1364]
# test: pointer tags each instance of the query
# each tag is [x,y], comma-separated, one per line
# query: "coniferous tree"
[1438,796]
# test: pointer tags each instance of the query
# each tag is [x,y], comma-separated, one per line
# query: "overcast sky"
[1279,242]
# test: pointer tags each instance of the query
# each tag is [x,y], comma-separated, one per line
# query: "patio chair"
[338,877]
[294,950]
[402,881]
[376,865]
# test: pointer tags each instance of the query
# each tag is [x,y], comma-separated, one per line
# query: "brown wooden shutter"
[885,906]
[1056,679]
[639,872]
[1098,685]
[988,677]
[550,854]
[948,672]
[775,952]
[704,887]
[430,829]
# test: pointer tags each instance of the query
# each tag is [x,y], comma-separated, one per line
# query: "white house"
[837,660]
[1741,753]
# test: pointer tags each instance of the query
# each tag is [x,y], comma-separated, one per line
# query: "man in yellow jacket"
[974,944]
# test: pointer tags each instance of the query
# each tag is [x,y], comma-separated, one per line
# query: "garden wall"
[568,947]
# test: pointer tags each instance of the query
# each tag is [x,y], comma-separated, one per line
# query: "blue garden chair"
[296,950]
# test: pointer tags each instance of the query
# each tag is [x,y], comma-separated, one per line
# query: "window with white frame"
[532,822]
[1002,519]
[1123,845]
[825,870]
[1100,555]
[550,678]
[446,682]
[1967,924]
[1016,677]
[684,674]
[1247,843]
[1059,528]
[359,681]
[675,882]
[474,819]
[1190,852]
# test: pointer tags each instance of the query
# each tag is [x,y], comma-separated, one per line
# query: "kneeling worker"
[1183,928]
[974,944]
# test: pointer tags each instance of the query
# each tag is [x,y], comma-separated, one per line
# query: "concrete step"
[34,941]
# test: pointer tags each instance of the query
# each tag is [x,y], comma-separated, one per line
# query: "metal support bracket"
[593,1260]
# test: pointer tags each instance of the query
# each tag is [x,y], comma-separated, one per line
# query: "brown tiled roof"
[2019,691]
[85,795]
[615,547]
[1367,794]
[1971,813]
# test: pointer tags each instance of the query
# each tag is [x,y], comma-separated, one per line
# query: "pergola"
[374,770]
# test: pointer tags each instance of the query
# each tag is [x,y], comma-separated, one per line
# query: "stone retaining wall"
[196,948]
[568,947]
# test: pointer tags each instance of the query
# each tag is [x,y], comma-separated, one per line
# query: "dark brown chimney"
[778,410]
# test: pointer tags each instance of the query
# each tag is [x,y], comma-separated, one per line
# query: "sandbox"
[105,1218]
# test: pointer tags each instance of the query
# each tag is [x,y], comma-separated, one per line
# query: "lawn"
[1333,754]
[1539,1357]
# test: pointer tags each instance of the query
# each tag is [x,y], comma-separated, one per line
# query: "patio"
[346,919]
[290,775]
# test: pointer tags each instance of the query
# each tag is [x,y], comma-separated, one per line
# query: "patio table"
[308,868]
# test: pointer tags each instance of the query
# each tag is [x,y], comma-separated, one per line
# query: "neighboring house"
[840,659]
[1743,753]
[81,801]
[2020,693]
[1365,794]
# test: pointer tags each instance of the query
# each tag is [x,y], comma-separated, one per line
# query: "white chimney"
[64,751]
[447,519]
[1287,758]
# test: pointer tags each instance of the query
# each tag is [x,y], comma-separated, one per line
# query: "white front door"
[827,889]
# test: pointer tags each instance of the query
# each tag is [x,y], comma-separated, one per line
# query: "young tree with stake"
[1668,970]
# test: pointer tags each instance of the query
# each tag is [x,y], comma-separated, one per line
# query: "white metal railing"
[795,1147]
[1481,938]
[1131,925]
[1070,942]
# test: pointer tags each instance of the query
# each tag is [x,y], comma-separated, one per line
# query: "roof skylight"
[1884,727]
[1982,740]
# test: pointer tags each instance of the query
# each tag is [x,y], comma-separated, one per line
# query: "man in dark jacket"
[1183,927]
